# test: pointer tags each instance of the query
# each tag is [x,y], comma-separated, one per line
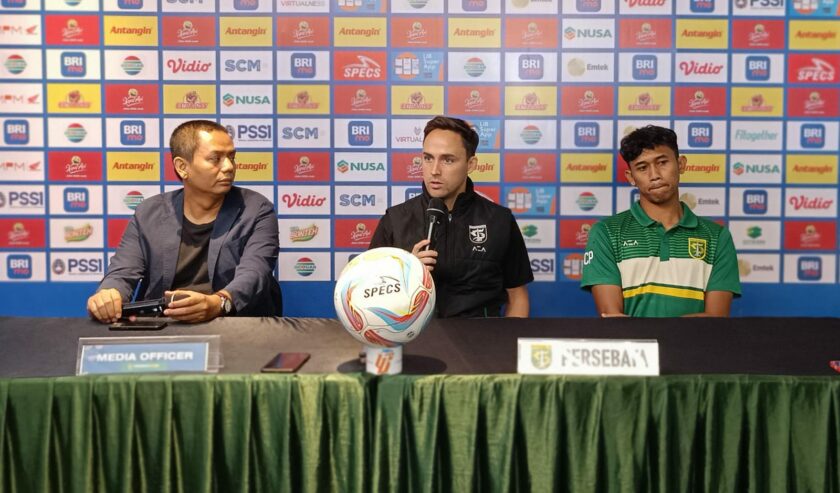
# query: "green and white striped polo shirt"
[661,273]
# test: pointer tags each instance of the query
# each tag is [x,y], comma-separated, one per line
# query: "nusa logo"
[700,134]
[303,65]
[19,267]
[73,64]
[812,136]
[76,200]
[360,133]
[132,132]
[587,134]
[16,132]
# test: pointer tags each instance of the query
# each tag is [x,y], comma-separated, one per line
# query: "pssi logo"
[700,134]
[758,68]
[16,132]
[812,136]
[76,199]
[73,64]
[755,202]
[303,65]
[531,66]
[644,67]
[132,132]
[360,133]
[587,134]
[19,266]
[542,265]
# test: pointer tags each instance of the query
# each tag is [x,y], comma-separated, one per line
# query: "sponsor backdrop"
[326,100]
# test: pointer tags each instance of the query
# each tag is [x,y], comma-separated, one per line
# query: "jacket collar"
[462,201]
[688,219]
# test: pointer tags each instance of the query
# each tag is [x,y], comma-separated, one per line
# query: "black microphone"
[434,216]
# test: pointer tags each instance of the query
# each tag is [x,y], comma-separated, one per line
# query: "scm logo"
[243,65]
[357,200]
[299,133]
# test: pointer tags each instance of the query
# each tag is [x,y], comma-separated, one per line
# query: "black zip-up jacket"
[480,251]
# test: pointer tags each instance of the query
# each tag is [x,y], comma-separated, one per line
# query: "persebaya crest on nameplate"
[587,357]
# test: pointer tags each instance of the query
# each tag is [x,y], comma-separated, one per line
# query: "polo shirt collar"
[688,219]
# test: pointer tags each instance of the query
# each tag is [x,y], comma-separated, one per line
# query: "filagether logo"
[191,101]
[530,102]
[819,71]
[417,33]
[416,102]
[132,99]
[74,100]
[304,166]
[757,105]
[303,33]
[188,33]
[532,33]
[699,103]
[644,103]
[302,102]
[72,31]
[814,103]
[759,36]
[361,101]
[589,102]
[474,103]
[646,35]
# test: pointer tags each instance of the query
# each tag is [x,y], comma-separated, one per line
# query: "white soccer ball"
[384,297]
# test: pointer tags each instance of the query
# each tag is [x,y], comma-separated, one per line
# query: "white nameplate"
[587,357]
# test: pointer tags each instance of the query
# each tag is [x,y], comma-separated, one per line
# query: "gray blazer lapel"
[170,237]
[227,215]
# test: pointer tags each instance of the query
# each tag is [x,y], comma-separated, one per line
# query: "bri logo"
[130,4]
[812,136]
[531,67]
[303,65]
[755,202]
[587,134]
[809,268]
[76,199]
[758,68]
[412,192]
[700,134]
[73,64]
[360,133]
[589,5]
[702,6]
[16,132]
[644,67]
[19,266]
[246,4]
[132,132]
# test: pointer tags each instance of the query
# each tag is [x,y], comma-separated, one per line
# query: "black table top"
[772,346]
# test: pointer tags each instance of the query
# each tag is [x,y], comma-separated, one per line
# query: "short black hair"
[648,137]
[468,134]
[184,139]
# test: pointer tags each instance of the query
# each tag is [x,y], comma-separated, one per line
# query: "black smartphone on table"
[138,325]
[286,363]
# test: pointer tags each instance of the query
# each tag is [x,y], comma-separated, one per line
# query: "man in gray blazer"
[210,241]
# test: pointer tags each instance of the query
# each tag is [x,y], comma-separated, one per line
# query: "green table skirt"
[301,433]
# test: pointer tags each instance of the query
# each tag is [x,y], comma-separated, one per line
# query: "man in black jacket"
[480,261]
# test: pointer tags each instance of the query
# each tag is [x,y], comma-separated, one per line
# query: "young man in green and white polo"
[658,259]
